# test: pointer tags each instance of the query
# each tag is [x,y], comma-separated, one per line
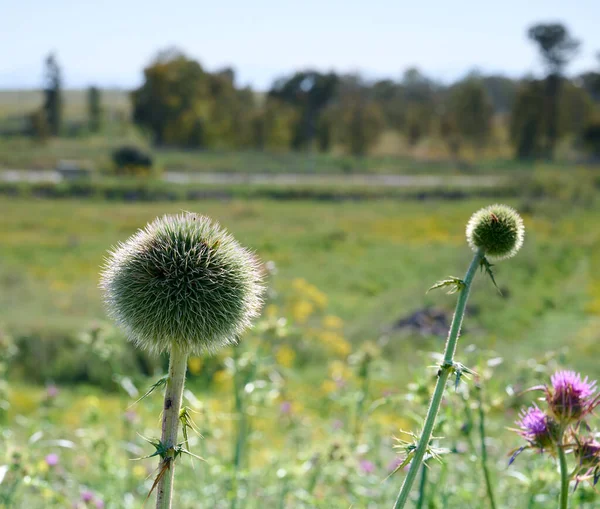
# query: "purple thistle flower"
[571,397]
[536,427]
[394,464]
[99,503]
[87,496]
[131,416]
[51,391]
[285,408]
[366,466]
[51,460]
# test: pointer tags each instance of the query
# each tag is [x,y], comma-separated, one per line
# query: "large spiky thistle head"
[497,230]
[182,279]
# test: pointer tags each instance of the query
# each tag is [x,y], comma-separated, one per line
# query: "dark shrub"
[131,161]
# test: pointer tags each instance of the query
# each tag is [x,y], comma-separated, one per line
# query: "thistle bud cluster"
[569,400]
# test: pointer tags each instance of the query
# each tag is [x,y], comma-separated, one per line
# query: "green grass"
[20,102]
[374,260]
[24,153]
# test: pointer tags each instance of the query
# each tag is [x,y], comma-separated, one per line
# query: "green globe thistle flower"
[497,230]
[182,279]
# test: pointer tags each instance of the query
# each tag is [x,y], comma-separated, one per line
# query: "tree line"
[181,104]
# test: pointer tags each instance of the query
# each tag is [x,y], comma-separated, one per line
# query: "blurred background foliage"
[182,107]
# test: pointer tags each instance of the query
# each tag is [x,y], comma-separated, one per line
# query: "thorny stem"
[484,455]
[563,500]
[170,425]
[438,393]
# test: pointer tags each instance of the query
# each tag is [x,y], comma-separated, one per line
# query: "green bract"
[182,279]
[497,230]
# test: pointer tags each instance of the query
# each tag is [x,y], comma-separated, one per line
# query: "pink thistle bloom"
[571,397]
[131,416]
[366,466]
[51,391]
[394,464]
[87,496]
[285,408]
[52,460]
[536,427]
[337,424]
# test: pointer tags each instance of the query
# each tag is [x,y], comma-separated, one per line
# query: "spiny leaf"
[487,267]
[187,423]
[161,449]
[410,448]
[179,450]
[161,382]
[459,371]
[456,284]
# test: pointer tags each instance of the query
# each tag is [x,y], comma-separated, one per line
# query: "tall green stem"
[438,393]
[170,425]
[563,500]
[484,455]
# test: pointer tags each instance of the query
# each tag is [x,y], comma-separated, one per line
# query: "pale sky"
[108,42]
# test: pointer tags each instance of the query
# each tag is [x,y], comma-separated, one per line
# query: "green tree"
[575,110]
[448,130]
[591,139]
[272,125]
[501,91]
[557,48]
[172,103]
[181,104]
[471,111]
[94,109]
[53,95]
[310,92]
[358,120]
[527,120]
[420,97]
[418,123]
[38,125]
[591,81]
[392,101]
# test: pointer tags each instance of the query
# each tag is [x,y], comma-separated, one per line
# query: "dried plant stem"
[444,373]
[170,425]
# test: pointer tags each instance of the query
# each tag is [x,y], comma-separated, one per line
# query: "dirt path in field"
[287,179]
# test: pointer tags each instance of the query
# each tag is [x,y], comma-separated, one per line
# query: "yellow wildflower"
[328,386]
[285,356]
[332,322]
[195,365]
[302,310]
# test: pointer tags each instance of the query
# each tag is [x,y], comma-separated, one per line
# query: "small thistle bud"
[497,230]
[587,453]
[182,279]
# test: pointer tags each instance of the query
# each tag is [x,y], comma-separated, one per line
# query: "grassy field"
[343,275]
